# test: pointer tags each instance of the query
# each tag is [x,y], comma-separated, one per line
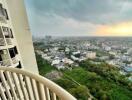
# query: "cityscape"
[84,46]
[92,64]
[67,51]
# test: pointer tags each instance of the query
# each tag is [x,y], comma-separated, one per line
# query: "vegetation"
[98,86]
[108,72]
[44,66]
[79,91]
[102,81]
[100,53]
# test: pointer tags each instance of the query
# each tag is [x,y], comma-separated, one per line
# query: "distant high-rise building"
[48,38]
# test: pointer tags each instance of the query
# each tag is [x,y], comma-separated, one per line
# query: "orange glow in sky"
[121,29]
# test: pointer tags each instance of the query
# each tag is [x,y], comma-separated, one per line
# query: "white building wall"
[22,33]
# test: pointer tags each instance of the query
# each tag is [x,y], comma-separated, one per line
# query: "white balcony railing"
[6,62]
[9,41]
[2,42]
[18,84]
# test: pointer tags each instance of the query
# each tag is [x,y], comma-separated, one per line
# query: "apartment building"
[9,54]
[16,47]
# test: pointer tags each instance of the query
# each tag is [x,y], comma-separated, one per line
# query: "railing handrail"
[46,82]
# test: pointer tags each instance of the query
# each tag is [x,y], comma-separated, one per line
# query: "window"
[0,58]
[1,10]
[15,49]
[19,66]
[5,14]
[7,32]
[11,33]
[12,53]
[1,35]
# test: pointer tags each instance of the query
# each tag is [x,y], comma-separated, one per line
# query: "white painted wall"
[22,33]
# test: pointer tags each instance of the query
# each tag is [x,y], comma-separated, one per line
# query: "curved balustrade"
[17,84]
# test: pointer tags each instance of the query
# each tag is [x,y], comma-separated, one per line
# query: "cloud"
[58,26]
[63,17]
[120,29]
[95,11]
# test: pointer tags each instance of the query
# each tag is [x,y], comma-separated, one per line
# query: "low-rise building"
[91,55]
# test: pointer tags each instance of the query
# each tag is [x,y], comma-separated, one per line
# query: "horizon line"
[77,36]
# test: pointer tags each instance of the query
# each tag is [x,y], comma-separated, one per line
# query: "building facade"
[17,52]
[16,46]
[91,55]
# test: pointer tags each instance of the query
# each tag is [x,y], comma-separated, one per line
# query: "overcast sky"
[77,17]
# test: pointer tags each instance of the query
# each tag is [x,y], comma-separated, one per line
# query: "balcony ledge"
[30,79]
